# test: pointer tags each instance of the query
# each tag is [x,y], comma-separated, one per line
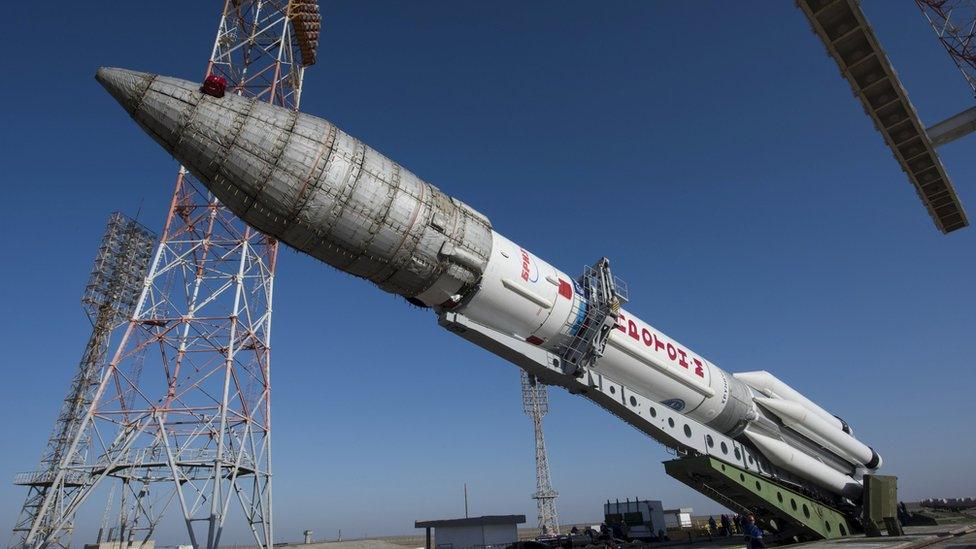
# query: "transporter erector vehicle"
[748,440]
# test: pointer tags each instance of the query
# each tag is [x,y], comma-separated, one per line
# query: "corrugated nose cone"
[318,189]
[126,86]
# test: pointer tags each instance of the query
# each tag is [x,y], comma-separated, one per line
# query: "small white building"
[473,532]
[678,518]
[639,519]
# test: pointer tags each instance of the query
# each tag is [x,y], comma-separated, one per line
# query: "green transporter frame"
[780,509]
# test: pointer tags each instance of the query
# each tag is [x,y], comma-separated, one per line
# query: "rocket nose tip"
[103,74]
[123,84]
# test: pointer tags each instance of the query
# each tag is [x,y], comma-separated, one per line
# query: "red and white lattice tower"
[181,417]
[954,21]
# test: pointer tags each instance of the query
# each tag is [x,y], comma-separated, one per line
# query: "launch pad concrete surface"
[946,536]
[956,536]
[351,544]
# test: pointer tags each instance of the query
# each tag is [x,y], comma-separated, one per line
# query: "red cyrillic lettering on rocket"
[677,355]
[620,323]
[525,264]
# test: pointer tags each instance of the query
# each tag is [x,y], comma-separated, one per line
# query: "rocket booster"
[317,189]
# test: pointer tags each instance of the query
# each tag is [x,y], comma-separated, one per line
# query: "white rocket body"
[319,190]
[769,385]
[802,464]
[813,427]
[526,297]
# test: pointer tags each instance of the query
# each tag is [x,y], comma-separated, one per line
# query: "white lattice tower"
[110,296]
[181,417]
[535,403]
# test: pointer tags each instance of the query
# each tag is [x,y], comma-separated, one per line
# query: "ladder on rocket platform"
[604,294]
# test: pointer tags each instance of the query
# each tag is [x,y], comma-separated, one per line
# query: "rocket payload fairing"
[319,190]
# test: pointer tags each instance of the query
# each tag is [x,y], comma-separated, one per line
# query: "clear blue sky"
[710,149]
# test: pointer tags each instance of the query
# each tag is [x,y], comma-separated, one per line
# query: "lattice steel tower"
[954,21]
[535,403]
[110,296]
[181,414]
